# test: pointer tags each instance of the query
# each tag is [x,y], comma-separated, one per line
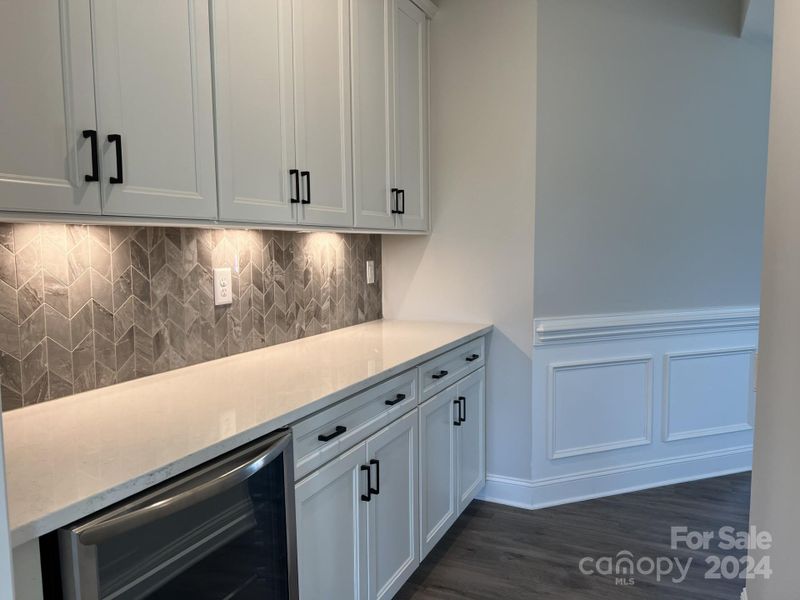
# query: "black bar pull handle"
[327,437]
[307,176]
[116,139]
[377,489]
[294,193]
[401,207]
[368,496]
[473,357]
[398,398]
[439,375]
[396,201]
[457,422]
[462,409]
[91,135]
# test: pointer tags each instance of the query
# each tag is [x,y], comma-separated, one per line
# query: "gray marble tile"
[31,331]
[82,323]
[78,259]
[29,261]
[59,361]
[34,367]
[30,296]
[11,373]
[8,267]
[122,302]
[57,326]
[7,236]
[80,292]
[56,294]
[100,257]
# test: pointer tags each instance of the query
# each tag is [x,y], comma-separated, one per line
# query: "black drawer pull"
[473,357]
[396,199]
[340,429]
[398,398]
[401,195]
[377,489]
[294,192]
[462,409]
[368,496]
[458,421]
[116,139]
[439,375]
[307,176]
[91,134]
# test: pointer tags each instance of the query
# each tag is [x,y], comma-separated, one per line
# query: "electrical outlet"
[222,286]
[370,271]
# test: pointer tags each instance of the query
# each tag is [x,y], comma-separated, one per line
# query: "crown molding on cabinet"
[599,328]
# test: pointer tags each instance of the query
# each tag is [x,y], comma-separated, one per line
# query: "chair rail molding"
[607,327]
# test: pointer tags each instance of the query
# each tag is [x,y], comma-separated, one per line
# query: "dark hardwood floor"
[495,551]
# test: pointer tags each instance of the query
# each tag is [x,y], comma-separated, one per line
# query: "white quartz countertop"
[68,458]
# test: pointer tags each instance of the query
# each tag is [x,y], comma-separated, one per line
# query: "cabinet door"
[153,82]
[471,438]
[46,102]
[373,89]
[393,524]
[254,109]
[437,443]
[332,529]
[322,110]
[411,114]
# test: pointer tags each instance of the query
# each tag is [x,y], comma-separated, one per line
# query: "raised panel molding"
[610,327]
[597,379]
[586,423]
[712,378]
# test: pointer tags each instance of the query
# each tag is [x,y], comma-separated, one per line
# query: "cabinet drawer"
[323,436]
[442,371]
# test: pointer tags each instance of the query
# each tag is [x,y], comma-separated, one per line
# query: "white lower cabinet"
[332,529]
[393,523]
[368,516]
[357,518]
[452,455]
[437,440]
[470,445]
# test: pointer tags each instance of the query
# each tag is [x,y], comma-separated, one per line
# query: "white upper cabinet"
[46,103]
[254,94]
[373,106]
[390,102]
[154,106]
[314,113]
[411,115]
[322,111]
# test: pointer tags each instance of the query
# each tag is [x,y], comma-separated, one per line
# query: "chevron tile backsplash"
[83,307]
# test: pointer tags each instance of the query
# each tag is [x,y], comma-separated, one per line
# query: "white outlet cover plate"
[370,271]
[222,286]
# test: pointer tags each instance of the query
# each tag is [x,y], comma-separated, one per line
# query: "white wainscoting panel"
[596,406]
[602,384]
[708,393]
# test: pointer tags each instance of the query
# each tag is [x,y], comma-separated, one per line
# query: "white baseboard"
[599,483]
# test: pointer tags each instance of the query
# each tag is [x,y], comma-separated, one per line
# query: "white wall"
[651,156]
[477,265]
[776,480]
